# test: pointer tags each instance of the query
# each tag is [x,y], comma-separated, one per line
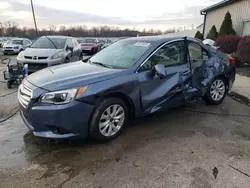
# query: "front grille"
[35,57]
[24,95]
[8,47]
[28,57]
[32,67]
[42,58]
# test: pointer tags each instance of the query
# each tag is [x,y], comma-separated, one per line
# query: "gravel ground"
[177,148]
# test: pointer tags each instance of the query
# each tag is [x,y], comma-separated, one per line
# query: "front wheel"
[216,92]
[108,119]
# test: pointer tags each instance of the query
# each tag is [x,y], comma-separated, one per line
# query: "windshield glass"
[46,43]
[16,42]
[86,40]
[122,54]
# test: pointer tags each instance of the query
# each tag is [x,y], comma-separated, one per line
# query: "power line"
[33,12]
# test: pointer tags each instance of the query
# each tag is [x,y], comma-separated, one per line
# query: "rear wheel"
[108,119]
[216,92]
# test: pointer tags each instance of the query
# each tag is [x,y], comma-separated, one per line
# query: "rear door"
[158,93]
[198,57]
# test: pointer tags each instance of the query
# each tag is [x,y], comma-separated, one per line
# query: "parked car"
[89,45]
[15,46]
[131,78]
[3,41]
[50,50]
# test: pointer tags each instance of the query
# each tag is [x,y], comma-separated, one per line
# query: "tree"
[212,34]
[227,26]
[199,35]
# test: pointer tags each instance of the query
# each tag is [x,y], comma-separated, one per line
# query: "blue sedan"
[130,78]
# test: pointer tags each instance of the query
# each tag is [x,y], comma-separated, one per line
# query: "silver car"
[50,50]
[14,46]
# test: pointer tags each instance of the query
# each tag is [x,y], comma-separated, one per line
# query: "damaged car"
[131,78]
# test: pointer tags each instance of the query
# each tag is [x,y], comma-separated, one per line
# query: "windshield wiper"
[51,42]
[101,64]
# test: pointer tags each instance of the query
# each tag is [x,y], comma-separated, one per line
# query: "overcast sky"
[139,14]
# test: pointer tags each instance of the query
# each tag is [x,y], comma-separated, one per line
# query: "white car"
[14,46]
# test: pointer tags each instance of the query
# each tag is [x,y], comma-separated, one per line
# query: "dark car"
[89,45]
[131,78]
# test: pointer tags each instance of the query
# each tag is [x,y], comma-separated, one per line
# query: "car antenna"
[51,42]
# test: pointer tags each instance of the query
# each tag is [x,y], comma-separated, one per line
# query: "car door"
[70,49]
[157,93]
[77,48]
[198,57]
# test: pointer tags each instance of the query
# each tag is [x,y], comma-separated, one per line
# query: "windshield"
[86,40]
[44,42]
[15,42]
[122,54]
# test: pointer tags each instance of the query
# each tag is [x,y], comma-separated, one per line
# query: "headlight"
[58,55]
[16,47]
[61,97]
[20,55]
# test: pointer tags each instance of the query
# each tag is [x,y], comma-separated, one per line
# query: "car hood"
[71,75]
[40,52]
[12,45]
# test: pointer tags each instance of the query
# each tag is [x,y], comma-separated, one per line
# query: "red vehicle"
[89,45]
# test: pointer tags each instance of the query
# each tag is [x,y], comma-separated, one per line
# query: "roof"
[217,5]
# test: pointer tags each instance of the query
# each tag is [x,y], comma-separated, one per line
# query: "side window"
[70,43]
[169,55]
[197,53]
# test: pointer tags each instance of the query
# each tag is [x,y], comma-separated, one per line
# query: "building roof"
[217,5]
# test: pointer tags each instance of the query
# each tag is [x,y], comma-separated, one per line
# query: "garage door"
[246,28]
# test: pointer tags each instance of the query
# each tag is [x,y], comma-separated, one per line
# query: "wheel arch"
[126,99]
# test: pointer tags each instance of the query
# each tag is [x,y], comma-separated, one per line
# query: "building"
[239,10]
[186,33]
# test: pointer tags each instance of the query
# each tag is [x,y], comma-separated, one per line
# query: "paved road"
[178,148]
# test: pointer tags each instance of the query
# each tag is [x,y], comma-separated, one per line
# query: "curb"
[239,97]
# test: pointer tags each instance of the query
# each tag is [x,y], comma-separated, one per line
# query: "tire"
[81,56]
[9,83]
[104,127]
[66,60]
[215,95]
[5,53]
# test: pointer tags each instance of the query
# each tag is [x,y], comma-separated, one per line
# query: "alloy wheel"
[217,90]
[111,120]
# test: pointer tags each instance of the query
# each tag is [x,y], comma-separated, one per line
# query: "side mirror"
[160,70]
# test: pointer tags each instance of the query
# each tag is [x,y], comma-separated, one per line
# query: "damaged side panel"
[164,93]
[203,73]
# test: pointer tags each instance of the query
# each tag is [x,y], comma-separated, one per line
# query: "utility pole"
[34,17]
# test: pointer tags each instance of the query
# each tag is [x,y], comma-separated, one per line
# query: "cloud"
[21,13]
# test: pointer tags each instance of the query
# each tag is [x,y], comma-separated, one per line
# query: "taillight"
[232,61]
[82,44]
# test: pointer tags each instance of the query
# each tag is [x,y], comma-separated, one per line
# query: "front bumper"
[35,65]
[58,121]
[11,51]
